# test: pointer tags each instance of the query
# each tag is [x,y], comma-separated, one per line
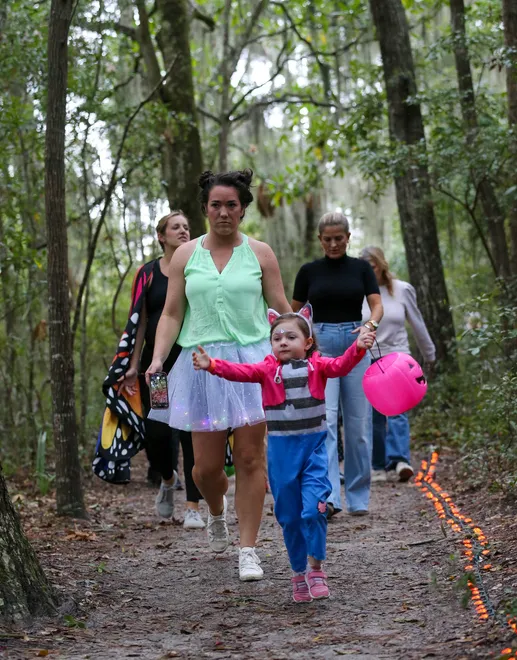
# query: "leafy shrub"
[474,411]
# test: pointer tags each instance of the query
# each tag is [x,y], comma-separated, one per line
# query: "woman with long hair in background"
[161,440]
[391,435]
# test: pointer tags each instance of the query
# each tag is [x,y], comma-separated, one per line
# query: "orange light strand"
[425,480]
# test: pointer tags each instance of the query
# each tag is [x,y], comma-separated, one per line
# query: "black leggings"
[162,446]
[162,451]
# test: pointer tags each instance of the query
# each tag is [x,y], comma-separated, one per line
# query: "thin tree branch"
[237,51]
[471,212]
[199,15]
[207,114]
[101,26]
[109,194]
[287,98]
[324,67]
[268,35]
[279,67]
[315,52]
[128,80]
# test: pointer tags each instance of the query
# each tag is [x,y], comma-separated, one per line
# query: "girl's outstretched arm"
[242,373]
[342,365]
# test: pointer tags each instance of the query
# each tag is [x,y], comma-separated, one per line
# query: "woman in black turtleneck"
[336,286]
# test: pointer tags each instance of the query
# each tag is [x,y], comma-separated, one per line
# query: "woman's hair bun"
[246,176]
[205,178]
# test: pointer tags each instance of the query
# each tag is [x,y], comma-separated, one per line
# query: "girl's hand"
[201,360]
[362,330]
[155,366]
[128,381]
[365,340]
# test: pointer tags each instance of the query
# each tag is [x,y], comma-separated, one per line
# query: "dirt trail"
[149,590]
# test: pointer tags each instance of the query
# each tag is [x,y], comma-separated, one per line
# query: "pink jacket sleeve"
[342,365]
[242,373]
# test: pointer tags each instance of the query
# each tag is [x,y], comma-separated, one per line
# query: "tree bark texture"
[182,157]
[69,492]
[24,589]
[412,185]
[491,208]
[225,91]
[510,38]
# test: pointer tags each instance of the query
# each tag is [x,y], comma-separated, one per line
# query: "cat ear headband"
[305,313]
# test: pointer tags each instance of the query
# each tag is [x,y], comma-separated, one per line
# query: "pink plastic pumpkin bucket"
[394,384]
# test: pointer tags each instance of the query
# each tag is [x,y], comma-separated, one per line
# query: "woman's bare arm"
[170,322]
[375,305]
[272,285]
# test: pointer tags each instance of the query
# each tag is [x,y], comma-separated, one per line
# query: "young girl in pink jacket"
[293,383]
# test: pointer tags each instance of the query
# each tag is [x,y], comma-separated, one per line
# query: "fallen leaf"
[78,535]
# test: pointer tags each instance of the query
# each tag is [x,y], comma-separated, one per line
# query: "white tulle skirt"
[199,401]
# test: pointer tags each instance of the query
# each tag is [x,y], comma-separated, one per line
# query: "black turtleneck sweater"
[335,288]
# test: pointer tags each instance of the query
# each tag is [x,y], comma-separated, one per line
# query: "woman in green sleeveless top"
[220,286]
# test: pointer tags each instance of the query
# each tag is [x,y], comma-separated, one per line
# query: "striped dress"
[300,413]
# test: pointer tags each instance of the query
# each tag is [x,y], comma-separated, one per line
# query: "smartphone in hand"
[159,390]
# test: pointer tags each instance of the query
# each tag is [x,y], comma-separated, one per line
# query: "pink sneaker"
[317,583]
[301,593]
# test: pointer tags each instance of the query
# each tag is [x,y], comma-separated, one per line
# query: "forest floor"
[134,587]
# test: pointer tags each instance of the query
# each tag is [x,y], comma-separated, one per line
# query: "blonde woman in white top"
[391,435]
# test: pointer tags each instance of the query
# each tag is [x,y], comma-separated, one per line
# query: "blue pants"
[298,477]
[333,340]
[390,441]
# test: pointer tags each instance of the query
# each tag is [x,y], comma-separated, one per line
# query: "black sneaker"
[330,510]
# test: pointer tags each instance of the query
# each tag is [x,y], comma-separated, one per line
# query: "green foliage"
[72,622]
[306,108]
[474,411]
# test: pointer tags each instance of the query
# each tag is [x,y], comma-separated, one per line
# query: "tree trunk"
[9,320]
[24,589]
[225,91]
[84,362]
[413,190]
[182,160]
[69,492]
[488,198]
[510,38]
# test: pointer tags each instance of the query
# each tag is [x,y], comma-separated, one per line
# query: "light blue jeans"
[333,340]
[390,441]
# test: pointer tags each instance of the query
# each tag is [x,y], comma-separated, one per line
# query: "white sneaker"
[164,502]
[404,471]
[249,565]
[193,520]
[379,475]
[217,530]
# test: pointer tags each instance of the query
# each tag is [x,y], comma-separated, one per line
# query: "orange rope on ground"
[475,545]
